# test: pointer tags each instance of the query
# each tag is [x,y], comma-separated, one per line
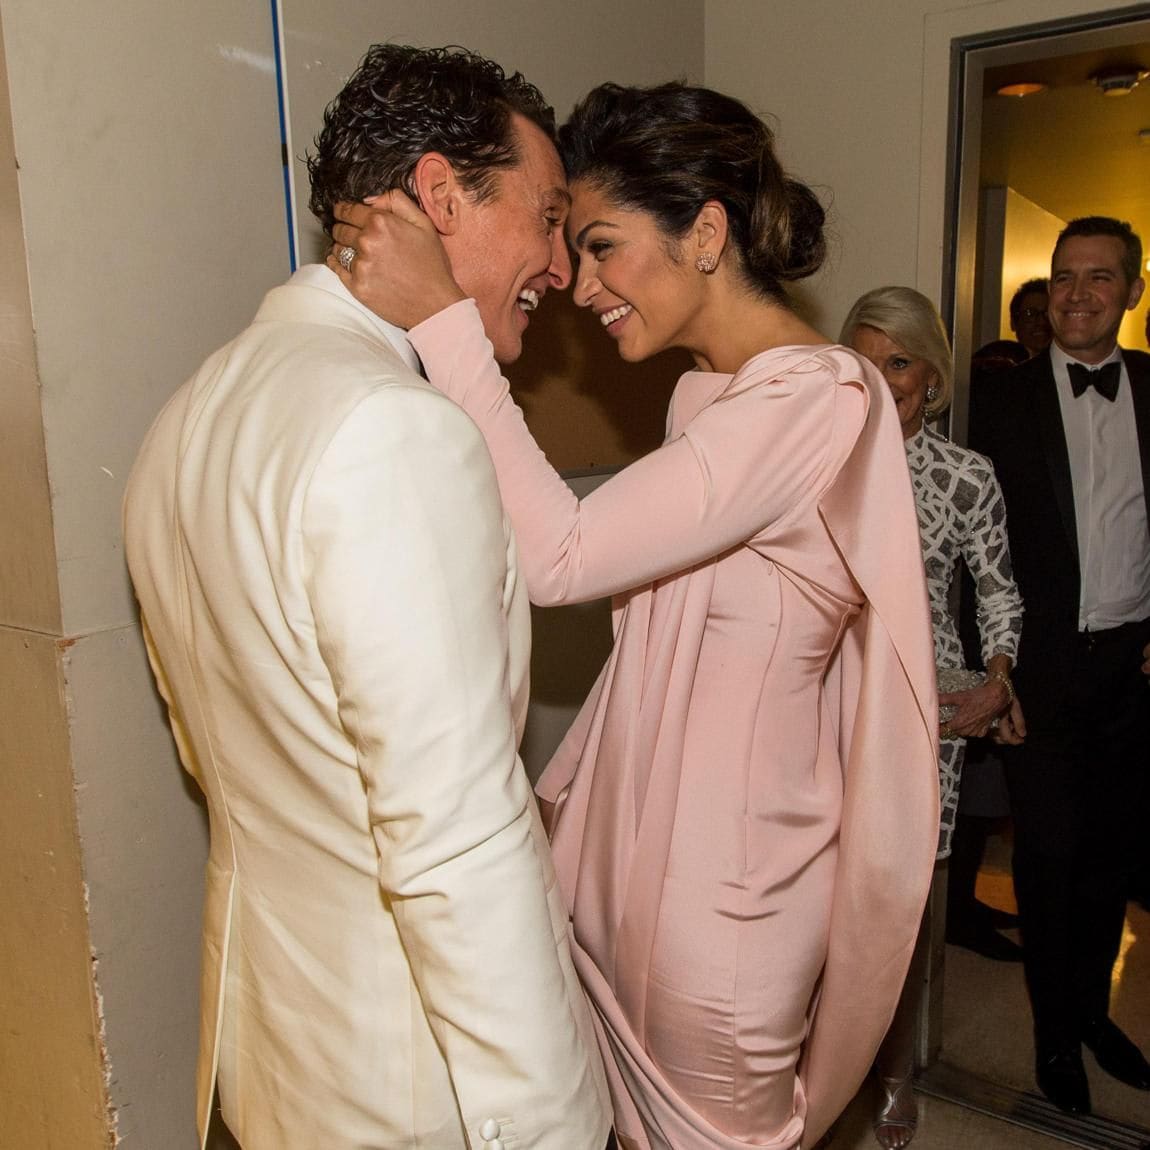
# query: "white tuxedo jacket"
[329,597]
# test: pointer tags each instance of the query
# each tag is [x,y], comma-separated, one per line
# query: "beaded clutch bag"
[955,679]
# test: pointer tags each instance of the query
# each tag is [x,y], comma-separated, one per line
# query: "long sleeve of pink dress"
[747,804]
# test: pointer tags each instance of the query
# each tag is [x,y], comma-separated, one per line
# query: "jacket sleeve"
[407,555]
[986,550]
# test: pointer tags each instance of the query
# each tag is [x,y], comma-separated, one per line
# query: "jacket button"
[489,1130]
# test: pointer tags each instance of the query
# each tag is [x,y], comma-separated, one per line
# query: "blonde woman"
[961,518]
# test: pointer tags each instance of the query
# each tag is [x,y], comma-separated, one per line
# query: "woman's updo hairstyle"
[667,150]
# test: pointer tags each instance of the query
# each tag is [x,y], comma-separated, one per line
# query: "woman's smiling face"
[632,275]
[907,376]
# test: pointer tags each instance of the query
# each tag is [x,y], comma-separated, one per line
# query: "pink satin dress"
[746,807]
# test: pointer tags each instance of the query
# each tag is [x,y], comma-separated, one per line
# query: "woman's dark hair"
[402,102]
[667,150]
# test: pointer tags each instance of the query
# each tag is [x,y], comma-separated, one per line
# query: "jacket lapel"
[1048,416]
[1140,393]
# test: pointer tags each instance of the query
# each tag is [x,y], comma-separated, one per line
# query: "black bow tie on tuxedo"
[1103,379]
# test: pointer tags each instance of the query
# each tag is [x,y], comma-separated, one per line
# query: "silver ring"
[346,255]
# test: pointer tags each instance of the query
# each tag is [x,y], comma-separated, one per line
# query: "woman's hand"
[977,708]
[1011,727]
[400,269]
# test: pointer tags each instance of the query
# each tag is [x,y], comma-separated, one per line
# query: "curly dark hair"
[402,102]
[1108,226]
[669,149]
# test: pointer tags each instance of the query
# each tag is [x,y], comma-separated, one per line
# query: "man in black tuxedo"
[1069,434]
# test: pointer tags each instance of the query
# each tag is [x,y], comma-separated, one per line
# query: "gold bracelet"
[1003,678]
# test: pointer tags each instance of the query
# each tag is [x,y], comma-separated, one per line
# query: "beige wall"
[143,177]
[586,408]
[138,187]
[563,48]
[861,93]
[148,198]
[50,1059]
[1029,236]
[1015,239]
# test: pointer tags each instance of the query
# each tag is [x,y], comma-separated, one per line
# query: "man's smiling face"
[1089,294]
[510,249]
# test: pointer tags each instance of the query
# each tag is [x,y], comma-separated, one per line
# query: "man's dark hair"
[1035,285]
[1107,226]
[402,102]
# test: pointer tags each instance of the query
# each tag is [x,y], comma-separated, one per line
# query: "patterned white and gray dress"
[961,515]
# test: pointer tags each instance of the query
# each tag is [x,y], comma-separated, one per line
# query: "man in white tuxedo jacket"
[329,597]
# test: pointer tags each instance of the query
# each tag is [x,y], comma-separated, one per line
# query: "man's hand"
[400,269]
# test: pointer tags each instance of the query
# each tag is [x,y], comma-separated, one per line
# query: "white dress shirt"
[1109,502]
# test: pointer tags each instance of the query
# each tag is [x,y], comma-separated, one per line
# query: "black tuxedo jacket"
[1015,419]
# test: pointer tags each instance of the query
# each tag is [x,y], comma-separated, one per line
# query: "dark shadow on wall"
[219,1136]
[565,345]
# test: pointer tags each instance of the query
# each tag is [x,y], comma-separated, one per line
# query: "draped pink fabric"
[747,803]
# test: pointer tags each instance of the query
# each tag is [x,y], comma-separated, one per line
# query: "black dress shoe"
[998,919]
[1116,1054]
[983,940]
[1062,1078]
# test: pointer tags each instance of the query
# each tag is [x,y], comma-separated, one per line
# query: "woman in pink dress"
[745,811]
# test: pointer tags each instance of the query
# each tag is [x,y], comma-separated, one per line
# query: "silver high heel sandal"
[892,1128]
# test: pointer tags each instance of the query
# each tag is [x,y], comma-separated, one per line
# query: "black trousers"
[1079,795]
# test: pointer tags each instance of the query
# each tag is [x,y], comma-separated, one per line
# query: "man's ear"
[1136,290]
[438,190]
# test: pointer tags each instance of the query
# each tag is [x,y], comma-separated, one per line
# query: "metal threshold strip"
[1031,1111]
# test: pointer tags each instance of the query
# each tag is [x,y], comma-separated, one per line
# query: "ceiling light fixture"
[1022,88]
[1118,81]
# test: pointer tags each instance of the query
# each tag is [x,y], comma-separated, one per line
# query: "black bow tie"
[1103,379]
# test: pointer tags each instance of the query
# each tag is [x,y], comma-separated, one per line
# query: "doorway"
[1078,145]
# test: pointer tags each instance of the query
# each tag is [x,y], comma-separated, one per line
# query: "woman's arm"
[742,464]
[738,467]
[986,551]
